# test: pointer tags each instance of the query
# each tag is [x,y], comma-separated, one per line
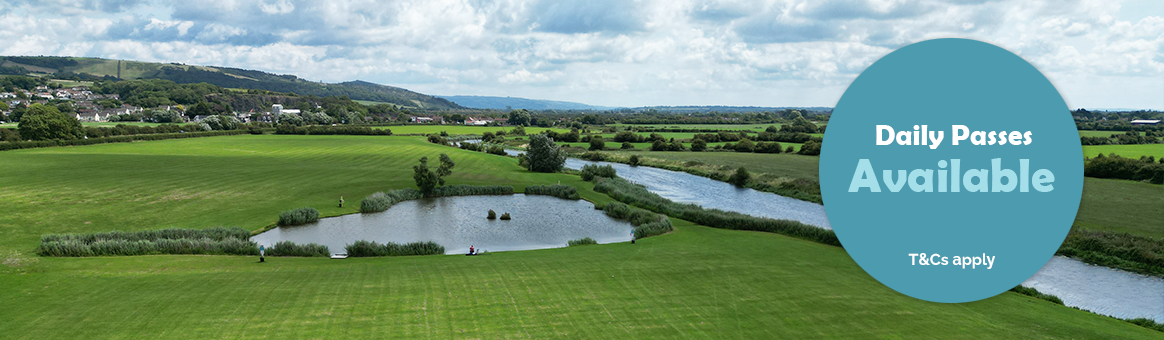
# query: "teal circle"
[941,83]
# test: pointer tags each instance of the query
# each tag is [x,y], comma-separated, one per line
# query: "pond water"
[1101,289]
[538,222]
[1098,289]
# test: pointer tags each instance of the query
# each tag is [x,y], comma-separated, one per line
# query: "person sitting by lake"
[471,250]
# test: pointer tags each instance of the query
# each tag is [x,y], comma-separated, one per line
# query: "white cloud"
[646,52]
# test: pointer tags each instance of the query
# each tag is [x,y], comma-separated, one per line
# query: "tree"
[426,179]
[446,168]
[519,117]
[518,131]
[3,106]
[698,145]
[596,143]
[43,122]
[740,178]
[200,109]
[544,155]
[745,145]
[659,145]
[627,146]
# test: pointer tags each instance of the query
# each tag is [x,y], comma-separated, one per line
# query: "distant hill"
[98,69]
[502,103]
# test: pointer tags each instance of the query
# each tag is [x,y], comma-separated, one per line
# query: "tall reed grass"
[298,216]
[129,244]
[556,190]
[628,193]
[288,248]
[581,242]
[383,200]
[364,248]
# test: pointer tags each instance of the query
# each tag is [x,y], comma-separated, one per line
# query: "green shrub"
[492,215]
[646,223]
[505,217]
[363,248]
[556,190]
[497,150]
[635,160]
[626,192]
[288,248]
[590,171]
[1028,291]
[1114,166]
[472,190]
[581,242]
[1115,249]
[381,201]
[298,216]
[216,233]
[740,178]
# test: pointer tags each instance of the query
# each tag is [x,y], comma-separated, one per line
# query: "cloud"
[615,53]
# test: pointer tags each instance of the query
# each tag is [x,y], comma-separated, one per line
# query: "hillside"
[503,103]
[97,68]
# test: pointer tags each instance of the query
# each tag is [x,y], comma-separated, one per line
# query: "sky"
[1098,53]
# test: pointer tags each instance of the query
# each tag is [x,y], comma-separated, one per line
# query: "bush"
[628,193]
[590,171]
[492,215]
[596,143]
[790,149]
[745,145]
[288,248]
[740,178]
[363,248]
[635,160]
[299,216]
[497,150]
[810,148]
[472,190]
[505,217]
[698,145]
[768,147]
[581,242]
[212,241]
[626,146]
[556,190]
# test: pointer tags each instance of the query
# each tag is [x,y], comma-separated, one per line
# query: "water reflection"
[457,222]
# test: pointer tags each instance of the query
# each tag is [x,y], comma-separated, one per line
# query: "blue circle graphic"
[986,213]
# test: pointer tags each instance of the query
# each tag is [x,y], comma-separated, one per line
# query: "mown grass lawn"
[696,282]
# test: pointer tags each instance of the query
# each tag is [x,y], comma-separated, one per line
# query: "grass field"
[696,282]
[1120,205]
[780,165]
[459,129]
[1134,151]
[235,181]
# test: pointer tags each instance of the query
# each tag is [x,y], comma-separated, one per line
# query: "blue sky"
[1098,53]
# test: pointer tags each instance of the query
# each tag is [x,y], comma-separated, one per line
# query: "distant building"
[277,109]
[1146,122]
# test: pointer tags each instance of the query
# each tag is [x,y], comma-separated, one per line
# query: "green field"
[696,282]
[1134,151]
[458,129]
[1120,205]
